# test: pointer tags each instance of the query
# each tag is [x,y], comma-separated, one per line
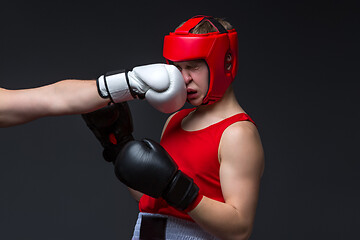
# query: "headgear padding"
[212,47]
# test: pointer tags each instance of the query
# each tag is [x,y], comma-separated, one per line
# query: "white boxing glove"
[162,85]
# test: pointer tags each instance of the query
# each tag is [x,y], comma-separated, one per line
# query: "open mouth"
[191,93]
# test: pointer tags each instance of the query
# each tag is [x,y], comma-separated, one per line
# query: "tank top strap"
[238,118]
[175,121]
[180,115]
[183,113]
[220,127]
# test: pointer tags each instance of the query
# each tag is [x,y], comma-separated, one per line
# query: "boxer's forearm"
[221,219]
[61,98]
[73,97]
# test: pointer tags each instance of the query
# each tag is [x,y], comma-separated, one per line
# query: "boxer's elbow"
[243,233]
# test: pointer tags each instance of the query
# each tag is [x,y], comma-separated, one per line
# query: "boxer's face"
[196,76]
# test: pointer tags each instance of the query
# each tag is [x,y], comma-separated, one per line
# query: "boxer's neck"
[206,115]
[225,107]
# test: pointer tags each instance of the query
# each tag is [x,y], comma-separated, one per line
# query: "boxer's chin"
[195,101]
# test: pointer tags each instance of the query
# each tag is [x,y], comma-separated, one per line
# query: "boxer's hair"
[206,27]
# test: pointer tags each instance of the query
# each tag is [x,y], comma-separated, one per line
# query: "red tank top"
[196,154]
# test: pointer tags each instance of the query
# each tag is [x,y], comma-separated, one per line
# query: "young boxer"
[203,181]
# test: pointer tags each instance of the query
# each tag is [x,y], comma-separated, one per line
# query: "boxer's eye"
[196,67]
[193,67]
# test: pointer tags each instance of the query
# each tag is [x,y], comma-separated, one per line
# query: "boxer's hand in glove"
[146,167]
[162,85]
[112,125]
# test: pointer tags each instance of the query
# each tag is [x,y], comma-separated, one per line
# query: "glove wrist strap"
[183,191]
[115,85]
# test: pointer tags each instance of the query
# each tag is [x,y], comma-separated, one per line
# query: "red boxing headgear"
[213,47]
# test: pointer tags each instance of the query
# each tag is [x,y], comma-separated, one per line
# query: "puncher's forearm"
[65,97]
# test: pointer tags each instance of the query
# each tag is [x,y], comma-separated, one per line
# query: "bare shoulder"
[241,129]
[241,145]
[242,132]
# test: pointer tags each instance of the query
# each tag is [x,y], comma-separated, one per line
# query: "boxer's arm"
[241,166]
[61,98]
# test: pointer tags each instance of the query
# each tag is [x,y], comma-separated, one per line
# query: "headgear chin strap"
[213,47]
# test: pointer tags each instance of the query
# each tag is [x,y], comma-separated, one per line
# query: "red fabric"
[196,154]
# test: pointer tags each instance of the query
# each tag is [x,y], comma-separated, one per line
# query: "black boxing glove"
[112,125]
[146,167]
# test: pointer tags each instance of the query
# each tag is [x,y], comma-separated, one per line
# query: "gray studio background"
[298,79]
